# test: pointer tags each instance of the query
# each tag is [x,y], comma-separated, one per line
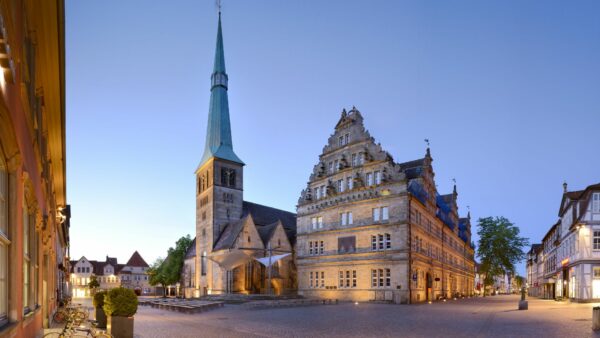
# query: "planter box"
[100,318]
[120,327]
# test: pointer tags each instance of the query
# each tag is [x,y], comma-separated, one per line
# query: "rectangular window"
[314,222]
[341,141]
[346,138]
[384,214]
[348,278]
[203,264]
[369,179]
[354,162]
[310,279]
[349,183]
[341,281]
[340,185]
[596,240]
[388,241]
[322,279]
[321,247]
[374,278]
[596,202]
[380,236]
[336,165]
[350,221]
[597,272]
[343,218]
[378,177]
[388,277]
[353,278]
[320,221]
[376,215]
[323,195]
[380,277]
[310,248]
[374,243]
[331,167]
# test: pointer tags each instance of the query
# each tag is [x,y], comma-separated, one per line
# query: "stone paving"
[478,317]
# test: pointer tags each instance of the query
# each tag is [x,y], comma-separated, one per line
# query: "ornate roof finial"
[428,153]
[344,112]
[565,187]
[469,212]
[454,181]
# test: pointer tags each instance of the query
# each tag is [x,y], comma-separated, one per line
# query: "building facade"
[535,271]
[110,274]
[373,229]
[232,235]
[34,215]
[568,261]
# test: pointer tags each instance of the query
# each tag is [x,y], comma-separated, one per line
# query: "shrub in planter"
[120,304]
[98,304]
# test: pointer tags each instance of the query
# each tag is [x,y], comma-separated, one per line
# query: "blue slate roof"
[417,190]
[444,211]
[218,130]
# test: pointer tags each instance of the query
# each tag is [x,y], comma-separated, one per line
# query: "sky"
[507,92]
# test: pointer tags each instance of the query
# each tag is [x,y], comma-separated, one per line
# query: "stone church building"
[370,228]
[232,235]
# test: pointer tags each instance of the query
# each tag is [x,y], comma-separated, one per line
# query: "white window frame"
[320,222]
[378,177]
[596,240]
[385,215]
[596,202]
[376,215]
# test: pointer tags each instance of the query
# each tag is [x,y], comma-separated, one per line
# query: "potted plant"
[120,304]
[98,304]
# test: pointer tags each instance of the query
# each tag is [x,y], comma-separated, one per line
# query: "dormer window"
[596,202]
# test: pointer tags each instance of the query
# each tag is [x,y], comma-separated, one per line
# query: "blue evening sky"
[508,92]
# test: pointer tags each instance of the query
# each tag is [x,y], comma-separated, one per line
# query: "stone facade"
[232,235]
[373,229]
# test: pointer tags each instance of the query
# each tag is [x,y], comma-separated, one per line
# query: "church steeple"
[218,131]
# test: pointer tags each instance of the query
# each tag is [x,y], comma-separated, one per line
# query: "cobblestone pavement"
[479,317]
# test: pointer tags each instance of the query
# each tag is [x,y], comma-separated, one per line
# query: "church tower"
[219,179]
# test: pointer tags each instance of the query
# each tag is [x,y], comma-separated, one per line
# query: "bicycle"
[79,331]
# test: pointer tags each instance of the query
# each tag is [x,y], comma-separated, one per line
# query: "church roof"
[191,251]
[218,131]
[230,234]
[263,215]
[265,219]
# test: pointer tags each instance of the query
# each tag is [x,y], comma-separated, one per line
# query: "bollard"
[523,305]
[596,318]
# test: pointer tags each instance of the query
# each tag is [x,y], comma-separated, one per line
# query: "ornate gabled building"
[373,229]
[232,234]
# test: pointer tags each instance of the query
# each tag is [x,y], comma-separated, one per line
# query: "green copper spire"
[218,131]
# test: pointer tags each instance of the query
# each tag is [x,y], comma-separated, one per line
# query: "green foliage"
[120,302]
[93,284]
[500,247]
[99,299]
[175,259]
[156,273]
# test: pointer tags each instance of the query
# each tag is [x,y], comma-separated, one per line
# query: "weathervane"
[454,180]
[218,4]
[427,141]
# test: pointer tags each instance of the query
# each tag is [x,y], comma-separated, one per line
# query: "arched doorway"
[138,291]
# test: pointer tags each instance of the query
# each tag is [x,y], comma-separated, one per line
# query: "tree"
[500,248]
[156,274]
[519,281]
[93,284]
[168,271]
[175,259]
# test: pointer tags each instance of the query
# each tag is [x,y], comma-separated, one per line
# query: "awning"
[265,260]
[229,259]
